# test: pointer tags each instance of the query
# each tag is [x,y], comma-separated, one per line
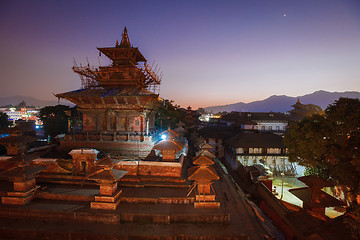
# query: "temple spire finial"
[298,101]
[125,42]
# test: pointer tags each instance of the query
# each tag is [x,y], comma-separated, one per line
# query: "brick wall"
[147,168]
[129,148]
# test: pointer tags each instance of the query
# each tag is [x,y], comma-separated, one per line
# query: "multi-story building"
[264,121]
[215,136]
[23,113]
[249,148]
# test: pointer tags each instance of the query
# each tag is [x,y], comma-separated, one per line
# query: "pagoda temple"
[116,102]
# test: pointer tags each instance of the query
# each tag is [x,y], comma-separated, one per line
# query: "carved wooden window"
[83,166]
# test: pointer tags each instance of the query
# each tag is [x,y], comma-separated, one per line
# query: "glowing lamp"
[163,136]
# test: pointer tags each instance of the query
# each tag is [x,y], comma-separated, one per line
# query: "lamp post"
[282,178]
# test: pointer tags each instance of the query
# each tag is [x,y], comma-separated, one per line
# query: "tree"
[312,109]
[201,111]
[167,114]
[55,120]
[330,143]
[304,110]
[4,121]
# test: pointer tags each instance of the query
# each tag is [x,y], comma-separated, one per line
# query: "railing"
[109,136]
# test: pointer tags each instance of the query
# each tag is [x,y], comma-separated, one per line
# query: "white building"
[264,121]
[258,148]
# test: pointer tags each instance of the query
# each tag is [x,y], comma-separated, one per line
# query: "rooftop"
[256,140]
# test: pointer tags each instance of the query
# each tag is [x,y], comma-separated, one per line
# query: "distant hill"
[30,101]
[282,103]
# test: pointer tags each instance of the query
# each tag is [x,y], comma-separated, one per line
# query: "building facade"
[264,121]
[251,148]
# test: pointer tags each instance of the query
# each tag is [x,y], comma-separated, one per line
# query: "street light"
[282,178]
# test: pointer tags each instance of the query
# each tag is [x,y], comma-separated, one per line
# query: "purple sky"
[211,52]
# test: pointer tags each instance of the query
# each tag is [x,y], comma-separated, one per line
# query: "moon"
[284,14]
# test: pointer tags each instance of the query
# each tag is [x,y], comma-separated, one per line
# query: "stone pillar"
[98,122]
[23,186]
[108,198]
[23,193]
[141,124]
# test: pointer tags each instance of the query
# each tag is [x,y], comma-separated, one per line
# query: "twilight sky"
[211,52]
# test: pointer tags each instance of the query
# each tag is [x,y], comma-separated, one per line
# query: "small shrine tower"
[203,176]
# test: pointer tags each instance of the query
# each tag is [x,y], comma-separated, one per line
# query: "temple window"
[83,166]
[257,150]
[239,150]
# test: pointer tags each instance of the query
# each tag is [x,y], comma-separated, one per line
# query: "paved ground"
[243,219]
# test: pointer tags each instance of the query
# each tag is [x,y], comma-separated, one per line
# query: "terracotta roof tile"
[24,172]
[202,173]
[315,199]
[107,162]
[205,153]
[102,92]
[203,160]
[171,134]
[107,175]
[315,181]
[205,146]
[169,145]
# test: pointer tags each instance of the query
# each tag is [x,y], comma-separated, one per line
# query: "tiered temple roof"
[107,162]
[22,170]
[203,160]
[169,145]
[202,173]
[205,153]
[107,175]
[170,134]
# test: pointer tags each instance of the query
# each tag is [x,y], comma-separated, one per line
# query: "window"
[239,150]
[83,166]
[263,128]
[270,128]
[277,128]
